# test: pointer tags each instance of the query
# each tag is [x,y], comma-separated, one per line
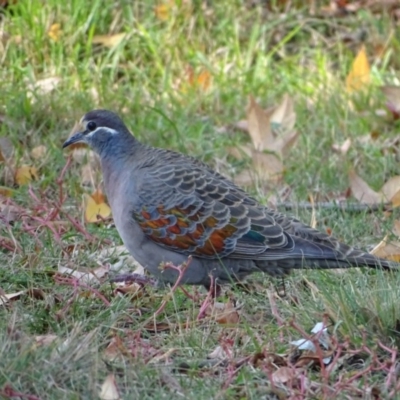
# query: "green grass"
[246,50]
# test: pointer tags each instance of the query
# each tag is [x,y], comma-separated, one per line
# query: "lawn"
[181,74]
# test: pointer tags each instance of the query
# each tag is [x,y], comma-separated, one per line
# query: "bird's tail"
[323,255]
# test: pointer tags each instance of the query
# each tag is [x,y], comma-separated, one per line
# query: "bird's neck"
[117,156]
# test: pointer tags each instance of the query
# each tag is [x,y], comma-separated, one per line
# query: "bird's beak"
[76,138]
[77,135]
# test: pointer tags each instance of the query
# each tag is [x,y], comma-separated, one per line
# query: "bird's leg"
[214,290]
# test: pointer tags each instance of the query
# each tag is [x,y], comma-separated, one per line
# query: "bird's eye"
[91,126]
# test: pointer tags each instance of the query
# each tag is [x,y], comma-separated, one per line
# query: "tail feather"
[322,255]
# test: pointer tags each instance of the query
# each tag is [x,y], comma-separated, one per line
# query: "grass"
[146,77]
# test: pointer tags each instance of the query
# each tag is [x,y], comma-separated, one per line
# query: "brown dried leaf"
[395,200]
[240,152]
[220,353]
[396,227]
[109,40]
[98,196]
[343,148]
[283,375]
[362,192]
[45,340]
[109,389]
[391,188]
[245,178]
[87,175]
[115,350]
[283,116]
[392,94]
[285,142]
[387,250]
[6,191]
[39,152]
[6,297]
[133,289]
[268,166]
[87,276]
[224,313]
[9,213]
[43,86]
[6,148]
[259,126]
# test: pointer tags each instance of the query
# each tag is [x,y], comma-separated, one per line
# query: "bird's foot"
[134,278]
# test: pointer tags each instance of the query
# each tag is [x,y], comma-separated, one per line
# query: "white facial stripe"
[109,130]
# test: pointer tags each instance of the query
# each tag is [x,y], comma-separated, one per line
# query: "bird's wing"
[188,208]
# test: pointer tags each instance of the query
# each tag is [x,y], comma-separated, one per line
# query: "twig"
[181,272]
[336,205]
[76,284]
[8,392]
[206,302]
[60,179]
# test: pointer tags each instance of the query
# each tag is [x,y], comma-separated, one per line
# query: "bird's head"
[99,129]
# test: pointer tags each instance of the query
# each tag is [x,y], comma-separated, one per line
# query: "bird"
[168,207]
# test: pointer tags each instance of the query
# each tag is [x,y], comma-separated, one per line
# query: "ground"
[180,73]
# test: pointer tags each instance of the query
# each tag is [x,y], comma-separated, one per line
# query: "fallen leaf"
[115,350]
[283,375]
[87,175]
[109,390]
[10,213]
[396,227]
[268,166]
[6,148]
[361,191]
[98,196]
[283,116]
[45,340]
[88,276]
[224,313]
[132,289]
[220,353]
[6,297]
[43,86]
[391,188]
[109,40]
[387,250]
[26,174]
[343,148]
[6,191]
[54,32]
[392,94]
[201,80]
[163,357]
[95,210]
[272,135]
[240,152]
[39,152]
[259,126]
[359,75]
[162,11]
